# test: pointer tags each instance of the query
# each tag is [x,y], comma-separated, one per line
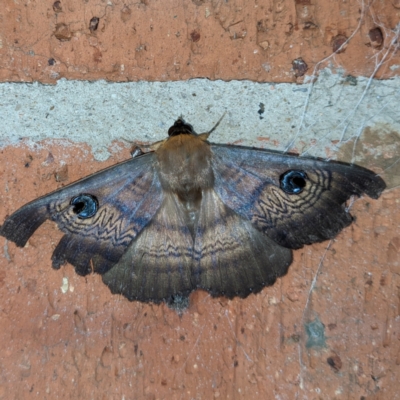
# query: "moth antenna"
[205,135]
[154,146]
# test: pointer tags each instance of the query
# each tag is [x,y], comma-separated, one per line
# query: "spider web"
[351,134]
[348,128]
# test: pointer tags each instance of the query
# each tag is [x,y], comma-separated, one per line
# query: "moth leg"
[136,151]
[146,148]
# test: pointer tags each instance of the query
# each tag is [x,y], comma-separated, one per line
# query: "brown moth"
[194,215]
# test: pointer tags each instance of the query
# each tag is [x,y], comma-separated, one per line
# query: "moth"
[194,215]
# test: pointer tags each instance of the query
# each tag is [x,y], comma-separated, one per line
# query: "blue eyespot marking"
[85,205]
[293,182]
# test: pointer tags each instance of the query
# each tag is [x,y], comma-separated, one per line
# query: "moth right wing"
[257,183]
[231,257]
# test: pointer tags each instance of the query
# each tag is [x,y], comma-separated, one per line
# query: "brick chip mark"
[6,253]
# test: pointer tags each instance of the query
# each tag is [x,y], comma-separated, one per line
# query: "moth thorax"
[184,165]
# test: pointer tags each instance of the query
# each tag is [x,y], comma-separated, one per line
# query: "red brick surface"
[87,343]
[330,329]
[174,39]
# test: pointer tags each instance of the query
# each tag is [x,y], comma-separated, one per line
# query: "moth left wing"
[100,215]
[157,265]
[293,200]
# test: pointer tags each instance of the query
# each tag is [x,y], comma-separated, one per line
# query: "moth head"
[293,181]
[180,127]
[84,205]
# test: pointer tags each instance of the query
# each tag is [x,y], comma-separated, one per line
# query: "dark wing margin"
[128,195]
[231,257]
[248,182]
